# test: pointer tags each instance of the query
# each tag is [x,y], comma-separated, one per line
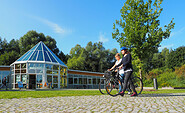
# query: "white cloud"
[102,38]
[177,32]
[166,46]
[55,27]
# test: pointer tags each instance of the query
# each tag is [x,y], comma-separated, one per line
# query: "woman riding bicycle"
[121,70]
[127,66]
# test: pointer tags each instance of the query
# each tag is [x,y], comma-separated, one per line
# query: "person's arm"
[113,67]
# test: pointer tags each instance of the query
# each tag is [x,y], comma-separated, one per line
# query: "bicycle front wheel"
[102,86]
[113,87]
[138,84]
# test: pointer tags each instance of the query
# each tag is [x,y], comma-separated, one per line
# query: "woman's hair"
[117,54]
[127,52]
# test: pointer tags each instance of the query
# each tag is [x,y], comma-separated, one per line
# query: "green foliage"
[63,93]
[31,38]
[139,28]
[93,57]
[10,52]
[166,77]
[176,58]
[77,60]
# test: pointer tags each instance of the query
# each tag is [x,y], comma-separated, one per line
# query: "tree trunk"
[140,73]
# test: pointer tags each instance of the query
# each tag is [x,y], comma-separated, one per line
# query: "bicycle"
[102,84]
[114,85]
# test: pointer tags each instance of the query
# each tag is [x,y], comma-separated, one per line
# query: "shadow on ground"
[162,95]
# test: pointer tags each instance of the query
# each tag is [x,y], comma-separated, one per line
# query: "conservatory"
[39,68]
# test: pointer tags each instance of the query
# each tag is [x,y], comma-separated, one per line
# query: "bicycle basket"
[107,74]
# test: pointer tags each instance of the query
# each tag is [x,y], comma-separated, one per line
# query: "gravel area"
[172,103]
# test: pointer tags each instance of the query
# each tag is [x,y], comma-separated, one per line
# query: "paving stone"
[87,104]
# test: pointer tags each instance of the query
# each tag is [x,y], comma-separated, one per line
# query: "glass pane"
[55,67]
[39,70]
[94,80]
[23,71]
[49,78]
[39,78]
[55,72]
[40,56]
[85,80]
[51,57]
[98,80]
[44,48]
[55,79]
[70,80]
[23,66]
[28,56]
[17,71]
[31,68]
[46,57]
[49,66]
[39,47]
[0,78]
[80,80]
[17,78]
[55,85]
[89,81]
[20,59]
[17,66]
[75,80]
[49,72]
[34,56]
[24,79]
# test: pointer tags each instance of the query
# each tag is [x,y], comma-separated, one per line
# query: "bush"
[166,77]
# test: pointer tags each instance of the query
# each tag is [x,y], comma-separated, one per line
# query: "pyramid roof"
[40,53]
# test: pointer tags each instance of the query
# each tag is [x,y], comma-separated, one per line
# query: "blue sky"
[73,22]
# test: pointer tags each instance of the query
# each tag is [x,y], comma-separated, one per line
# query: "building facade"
[40,68]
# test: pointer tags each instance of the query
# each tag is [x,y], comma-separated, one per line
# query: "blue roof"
[40,52]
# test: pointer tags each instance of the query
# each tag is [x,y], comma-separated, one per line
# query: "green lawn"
[55,93]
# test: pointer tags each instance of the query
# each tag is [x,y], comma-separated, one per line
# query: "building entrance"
[32,81]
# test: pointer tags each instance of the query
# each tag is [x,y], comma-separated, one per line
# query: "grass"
[56,93]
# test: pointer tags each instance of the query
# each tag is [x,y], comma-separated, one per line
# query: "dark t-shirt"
[127,62]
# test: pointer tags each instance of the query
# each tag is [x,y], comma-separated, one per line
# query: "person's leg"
[121,80]
[132,85]
[133,88]
[126,79]
[1,86]
[6,87]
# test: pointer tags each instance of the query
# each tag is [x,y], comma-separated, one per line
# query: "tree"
[139,29]
[31,38]
[77,60]
[63,57]
[176,57]
[94,57]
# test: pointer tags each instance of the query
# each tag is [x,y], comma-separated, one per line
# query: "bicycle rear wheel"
[113,87]
[102,86]
[138,84]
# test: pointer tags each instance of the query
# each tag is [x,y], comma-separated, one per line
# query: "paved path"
[104,103]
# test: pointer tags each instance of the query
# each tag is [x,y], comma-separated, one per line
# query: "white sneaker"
[129,93]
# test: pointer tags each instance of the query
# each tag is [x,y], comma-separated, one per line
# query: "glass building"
[39,68]
[5,72]
[84,79]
